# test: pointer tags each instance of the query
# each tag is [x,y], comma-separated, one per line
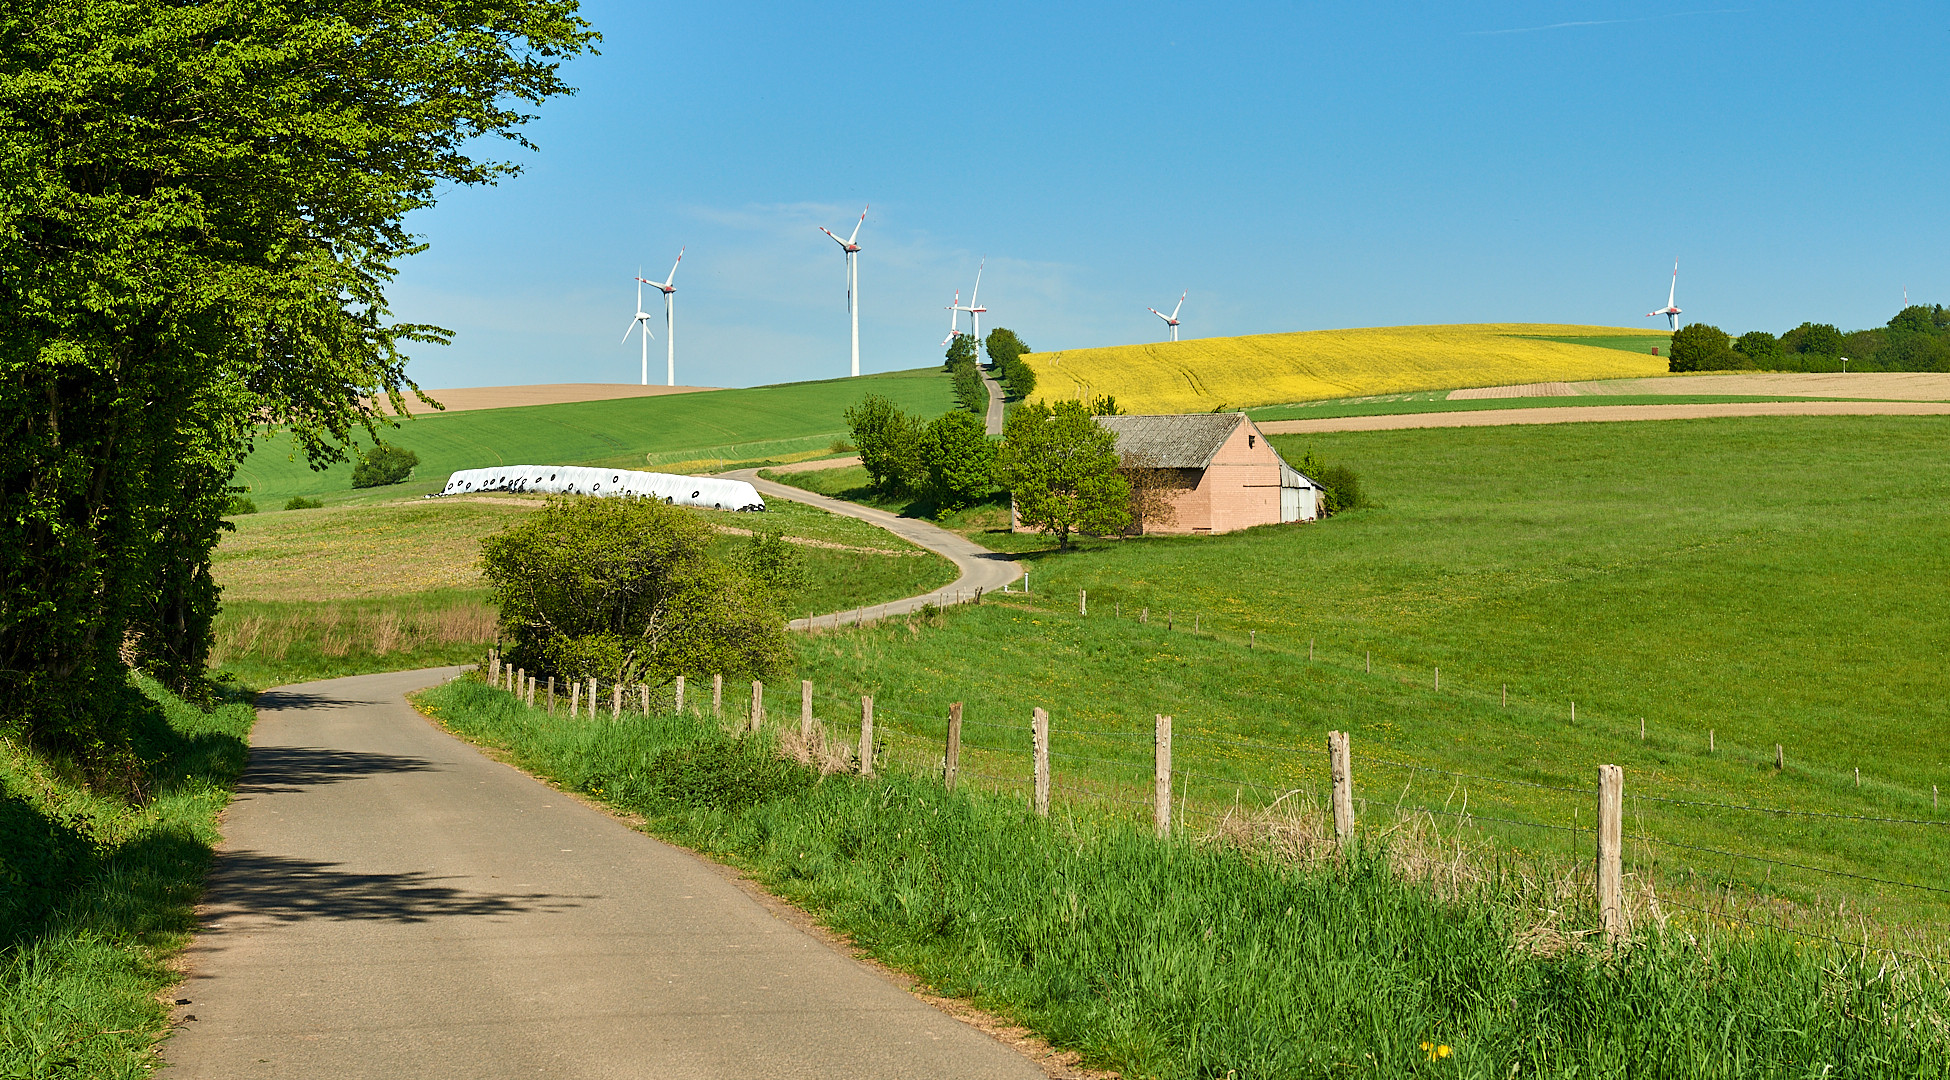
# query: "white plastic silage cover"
[612,483]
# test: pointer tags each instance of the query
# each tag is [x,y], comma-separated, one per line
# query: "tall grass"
[98,887]
[266,643]
[1208,958]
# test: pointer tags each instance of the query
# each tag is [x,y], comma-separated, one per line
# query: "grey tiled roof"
[1181,441]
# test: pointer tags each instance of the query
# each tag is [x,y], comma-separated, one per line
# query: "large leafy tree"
[960,459]
[1699,347]
[201,205]
[1061,468]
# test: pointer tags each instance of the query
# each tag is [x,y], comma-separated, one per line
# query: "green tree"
[1061,468]
[960,460]
[1699,347]
[201,205]
[889,442]
[775,564]
[384,464]
[626,590]
[1761,349]
[1006,351]
[1814,339]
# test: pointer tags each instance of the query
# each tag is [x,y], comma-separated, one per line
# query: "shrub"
[239,504]
[627,591]
[960,460]
[889,442]
[1340,488]
[1700,347]
[383,465]
[775,564]
[299,502]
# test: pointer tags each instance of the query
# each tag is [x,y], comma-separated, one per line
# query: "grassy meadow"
[349,589]
[1245,958]
[1745,581]
[682,433]
[1204,374]
[98,887]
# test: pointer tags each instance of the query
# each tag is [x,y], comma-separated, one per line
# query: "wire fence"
[1210,776]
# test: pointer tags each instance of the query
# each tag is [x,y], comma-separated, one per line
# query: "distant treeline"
[1917,339]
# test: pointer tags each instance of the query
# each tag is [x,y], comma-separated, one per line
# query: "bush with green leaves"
[890,444]
[626,590]
[382,465]
[1006,351]
[776,564]
[1340,488]
[299,502]
[239,505]
[960,460]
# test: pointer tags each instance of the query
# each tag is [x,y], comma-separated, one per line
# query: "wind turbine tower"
[974,309]
[1171,320]
[1671,310]
[641,322]
[670,324]
[852,248]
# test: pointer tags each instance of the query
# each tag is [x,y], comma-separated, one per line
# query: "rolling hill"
[1270,369]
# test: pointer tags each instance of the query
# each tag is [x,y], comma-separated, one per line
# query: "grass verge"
[97,891]
[1206,959]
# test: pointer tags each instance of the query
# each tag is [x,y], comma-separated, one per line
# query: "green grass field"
[1437,401]
[1633,343]
[680,433]
[1768,580]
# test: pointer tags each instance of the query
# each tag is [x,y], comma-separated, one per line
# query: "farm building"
[1216,472]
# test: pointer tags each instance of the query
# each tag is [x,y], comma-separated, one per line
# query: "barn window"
[1252,441]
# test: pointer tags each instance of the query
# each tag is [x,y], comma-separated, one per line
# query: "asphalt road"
[993,420]
[980,568]
[389,902]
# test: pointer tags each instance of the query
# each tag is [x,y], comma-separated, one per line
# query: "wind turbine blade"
[631,330]
[1181,302]
[1158,313]
[1674,291]
[673,269]
[856,226]
[972,301]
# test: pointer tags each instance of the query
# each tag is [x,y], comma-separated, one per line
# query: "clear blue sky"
[1295,166]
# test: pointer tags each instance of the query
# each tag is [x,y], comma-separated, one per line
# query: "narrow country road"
[981,569]
[993,421]
[388,902]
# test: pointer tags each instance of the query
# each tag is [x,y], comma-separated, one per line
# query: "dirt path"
[390,902]
[1584,414]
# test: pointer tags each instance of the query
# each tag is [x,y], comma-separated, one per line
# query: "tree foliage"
[382,465]
[626,590]
[1006,351]
[960,460]
[1061,468]
[970,390]
[889,441]
[201,205]
[1699,347]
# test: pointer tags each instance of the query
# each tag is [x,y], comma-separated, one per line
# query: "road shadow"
[278,769]
[298,699]
[294,890]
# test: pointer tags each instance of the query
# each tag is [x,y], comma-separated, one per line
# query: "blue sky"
[1293,166]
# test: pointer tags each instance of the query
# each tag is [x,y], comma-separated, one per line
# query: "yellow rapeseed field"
[1273,369]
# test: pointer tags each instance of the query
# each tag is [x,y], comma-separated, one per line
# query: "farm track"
[389,901]
[1591,414]
[982,570]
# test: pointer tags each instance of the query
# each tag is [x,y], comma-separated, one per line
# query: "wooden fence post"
[717,696]
[494,667]
[952,771]
[1341,767]
[551,695]
[1611,817]
[1438,680]
[616,701]
[1780,757]
[643,696]
[1161,786]
[1039,738]
[1252,639]
[575,698]
[531,691]
[590,697]
[866,735]
[805,713]
[1083,602]
[679,694]
[758,704]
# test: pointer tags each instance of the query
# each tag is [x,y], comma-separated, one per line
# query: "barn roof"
[1184,441]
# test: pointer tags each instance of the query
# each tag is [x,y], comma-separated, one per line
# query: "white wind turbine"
[670,325]
[1171,320]
[852,250]
[975,309]
[641,322]
[954,319]
[1671,310]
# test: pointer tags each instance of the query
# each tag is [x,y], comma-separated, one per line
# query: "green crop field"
[1438,401]
[679,433]
[1765,580]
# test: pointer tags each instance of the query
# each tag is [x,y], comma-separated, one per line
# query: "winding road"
[982,570]
[390,902]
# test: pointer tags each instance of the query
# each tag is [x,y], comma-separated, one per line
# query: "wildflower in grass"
[1436,1051]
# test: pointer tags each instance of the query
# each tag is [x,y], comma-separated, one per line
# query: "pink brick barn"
[1221,472]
